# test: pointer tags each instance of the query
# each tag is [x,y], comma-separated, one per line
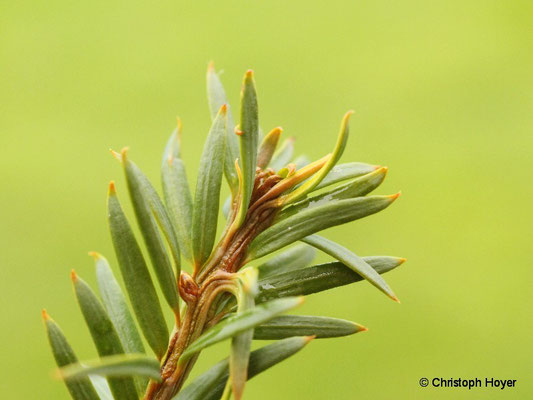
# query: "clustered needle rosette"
[226,293]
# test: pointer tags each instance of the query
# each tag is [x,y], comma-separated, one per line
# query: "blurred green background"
[443,94]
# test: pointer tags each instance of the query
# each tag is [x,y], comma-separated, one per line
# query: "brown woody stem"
[203,291]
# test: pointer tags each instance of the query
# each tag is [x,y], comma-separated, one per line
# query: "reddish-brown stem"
[203,291]
[175,372]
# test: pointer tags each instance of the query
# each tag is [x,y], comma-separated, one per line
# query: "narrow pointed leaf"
[210,384]
[342,172]
[104,335]
[239,323]
[316,219]
[351,260]
[267,148]
[358,187]
[284,326]
[289,182]
[297,257]
[118,311]
[165,226]
[123,365]
[319,278]
[116,306]
[309,185]
[217,97]
[242,343]
[248,138]
[81,389]
[207,196]
[137,279]
[177,194]
[145,202]
[284,155]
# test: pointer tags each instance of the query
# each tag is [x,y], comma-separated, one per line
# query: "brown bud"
[188,288]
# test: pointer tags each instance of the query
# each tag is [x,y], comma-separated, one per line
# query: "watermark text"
[439,382]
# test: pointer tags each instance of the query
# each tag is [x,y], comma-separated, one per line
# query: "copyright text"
[496,383]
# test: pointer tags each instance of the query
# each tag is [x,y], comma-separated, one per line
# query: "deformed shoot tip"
[73,276]
[45,315]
